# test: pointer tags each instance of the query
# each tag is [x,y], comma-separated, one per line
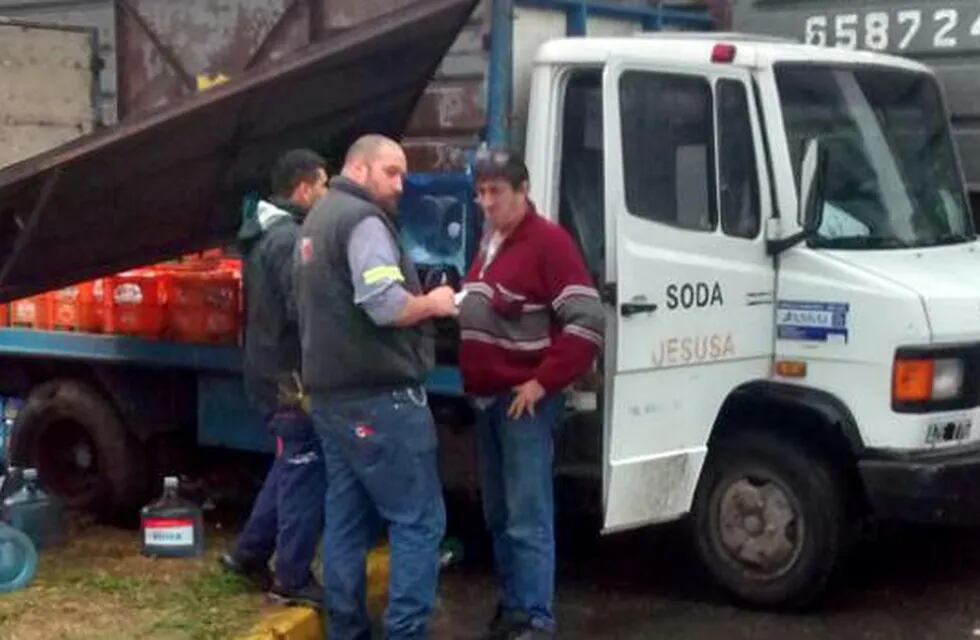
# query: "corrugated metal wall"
[166,48]
[452,113]
[159,50]
[155,51]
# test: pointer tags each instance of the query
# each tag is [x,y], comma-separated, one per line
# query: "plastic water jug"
[39,515]
[172,527]
[18,559]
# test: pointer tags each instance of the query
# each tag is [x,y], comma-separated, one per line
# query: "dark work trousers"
[287,517]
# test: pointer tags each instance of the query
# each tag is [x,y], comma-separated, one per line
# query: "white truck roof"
[684,47]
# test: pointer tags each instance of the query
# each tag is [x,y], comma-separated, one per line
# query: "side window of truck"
[668,154]
[738,183]
[581,187]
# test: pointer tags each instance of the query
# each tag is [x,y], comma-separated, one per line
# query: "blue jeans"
[380,455]
[288,513]
[518,504]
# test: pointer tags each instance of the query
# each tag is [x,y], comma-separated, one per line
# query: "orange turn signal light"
[791,368]
[912,381]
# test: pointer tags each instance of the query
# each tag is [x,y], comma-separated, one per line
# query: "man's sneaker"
[503,625]
[309,595]
[257,573]
[528,632]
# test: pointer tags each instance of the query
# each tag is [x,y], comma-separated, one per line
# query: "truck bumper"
[941,488]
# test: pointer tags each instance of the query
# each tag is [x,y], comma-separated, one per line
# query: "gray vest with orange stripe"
[343,349]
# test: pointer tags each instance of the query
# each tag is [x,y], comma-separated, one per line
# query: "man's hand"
[526,396]
[443,301]
[438,303]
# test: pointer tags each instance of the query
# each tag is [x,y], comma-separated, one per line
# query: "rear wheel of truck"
[82,451]
[769,520]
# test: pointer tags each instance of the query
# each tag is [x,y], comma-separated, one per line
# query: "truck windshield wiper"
[862,242]
[952,238]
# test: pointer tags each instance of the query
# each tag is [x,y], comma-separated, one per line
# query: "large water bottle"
[18,559]
[172,527]
[39,515]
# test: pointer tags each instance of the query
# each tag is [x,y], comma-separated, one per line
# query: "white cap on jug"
[170,482]
[30,474]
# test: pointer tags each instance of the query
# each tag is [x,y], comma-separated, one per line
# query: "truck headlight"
[947,378]
[918,380]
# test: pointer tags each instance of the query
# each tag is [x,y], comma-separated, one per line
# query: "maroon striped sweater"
[533,312]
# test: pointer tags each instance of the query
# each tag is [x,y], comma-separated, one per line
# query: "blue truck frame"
[224,418]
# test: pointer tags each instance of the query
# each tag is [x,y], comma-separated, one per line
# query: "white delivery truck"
[782,238]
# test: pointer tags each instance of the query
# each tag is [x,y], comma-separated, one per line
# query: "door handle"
[632,308]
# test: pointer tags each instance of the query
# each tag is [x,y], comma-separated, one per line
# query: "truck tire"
[81,449]
[769,520]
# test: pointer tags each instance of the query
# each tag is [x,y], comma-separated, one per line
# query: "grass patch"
[99,587]
[207,606]
[107,583]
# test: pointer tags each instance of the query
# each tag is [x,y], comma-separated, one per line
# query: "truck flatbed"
[117,349]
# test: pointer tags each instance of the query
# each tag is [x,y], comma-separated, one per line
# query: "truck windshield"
[892,179]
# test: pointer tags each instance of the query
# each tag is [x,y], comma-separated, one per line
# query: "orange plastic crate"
[77,308]
[31,313]
[135,303]
[204,307]
[231,264]
[201,261]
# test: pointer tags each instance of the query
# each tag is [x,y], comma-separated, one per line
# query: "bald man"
[367,344]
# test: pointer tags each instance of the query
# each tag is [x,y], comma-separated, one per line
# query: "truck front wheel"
[80,447]
[769,520]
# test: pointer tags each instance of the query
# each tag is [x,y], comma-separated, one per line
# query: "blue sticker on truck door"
[812,321]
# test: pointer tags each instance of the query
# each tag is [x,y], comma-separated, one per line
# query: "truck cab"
[783,241]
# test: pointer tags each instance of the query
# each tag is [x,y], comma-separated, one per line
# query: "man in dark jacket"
[287,517]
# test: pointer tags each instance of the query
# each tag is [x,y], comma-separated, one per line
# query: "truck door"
[688,280]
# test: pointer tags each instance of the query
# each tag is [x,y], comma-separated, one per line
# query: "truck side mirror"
[813,175]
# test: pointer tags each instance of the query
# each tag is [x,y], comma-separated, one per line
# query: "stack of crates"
[197,299]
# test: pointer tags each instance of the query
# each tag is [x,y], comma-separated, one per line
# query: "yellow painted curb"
[304,623]
[378,569]
[292,623]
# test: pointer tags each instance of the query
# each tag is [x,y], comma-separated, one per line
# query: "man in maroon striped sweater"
[531,323]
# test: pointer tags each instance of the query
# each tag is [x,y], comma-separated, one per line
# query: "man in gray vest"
[367,344]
